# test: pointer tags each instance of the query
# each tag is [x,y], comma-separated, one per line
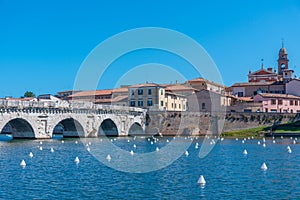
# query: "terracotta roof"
[262,72]
[204,80]
[145,85]
[111,100]
[91,93]
[254,83]
[68,91]
[284,96]
[179,87]
[122,89]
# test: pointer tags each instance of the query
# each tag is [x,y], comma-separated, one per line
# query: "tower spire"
[282,42]
[262,63]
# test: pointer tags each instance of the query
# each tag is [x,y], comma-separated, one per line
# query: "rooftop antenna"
[262,63]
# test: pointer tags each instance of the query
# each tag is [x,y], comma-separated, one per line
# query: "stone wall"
[172,123]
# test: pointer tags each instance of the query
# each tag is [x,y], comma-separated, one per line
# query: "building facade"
[279,103]
[156,97]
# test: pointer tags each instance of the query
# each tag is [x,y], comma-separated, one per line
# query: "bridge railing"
[66,107]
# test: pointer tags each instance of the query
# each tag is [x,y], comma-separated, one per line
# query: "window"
[179,106]
[140,91]
[280,102]
[132,102]
[172,105]
[203,106]
[149,91]
[291,102]
[175,105]
[162,92]
[140,103]
[132,92]
[296,102]
[161,103]
[240,94]
[273,101]
[149,102]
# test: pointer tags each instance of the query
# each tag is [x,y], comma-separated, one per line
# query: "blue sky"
[43,43]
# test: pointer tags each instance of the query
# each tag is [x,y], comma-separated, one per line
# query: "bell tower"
[283,61]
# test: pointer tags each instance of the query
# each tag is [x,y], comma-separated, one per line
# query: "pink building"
[281,103]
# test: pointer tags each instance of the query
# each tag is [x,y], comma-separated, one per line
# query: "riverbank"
[257,132]
[285,130]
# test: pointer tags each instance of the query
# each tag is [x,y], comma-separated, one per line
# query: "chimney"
[269,69]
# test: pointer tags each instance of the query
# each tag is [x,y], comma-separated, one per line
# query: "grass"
[287,128]
[255,132]
[260,131]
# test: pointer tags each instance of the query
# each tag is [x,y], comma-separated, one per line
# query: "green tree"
[29,94]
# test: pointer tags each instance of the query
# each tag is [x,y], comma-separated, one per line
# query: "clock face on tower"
[283,66]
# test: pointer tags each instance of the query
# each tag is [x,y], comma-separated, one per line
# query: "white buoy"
[264,145]
[128,141]
[245,152]
[274,141]
[30,154]
[131,153]
[157,149]
[264,167]
[289,150]
[76,142]
[258,142]
[41,148]
[62,141]
[108,157]
[151,143]
[91,143]
[243,141]
[288,147]
[134,146]
[88,149]
[201,181]
[168,141]
[41,142]
[264,139]
[294,141]
[51,150]
[186,153]
[76,160]
[23,163]
[236,139]
[281,137]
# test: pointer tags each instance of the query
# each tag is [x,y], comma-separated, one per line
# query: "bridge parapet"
[7,106]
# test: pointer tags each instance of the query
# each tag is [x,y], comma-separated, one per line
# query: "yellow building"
[156,97]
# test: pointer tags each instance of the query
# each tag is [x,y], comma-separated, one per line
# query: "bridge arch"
[135,129]
[19,128]
[68,127]
[108,128]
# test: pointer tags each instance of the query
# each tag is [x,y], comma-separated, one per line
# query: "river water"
[228,173]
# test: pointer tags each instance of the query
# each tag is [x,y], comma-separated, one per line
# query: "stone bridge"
[77,119]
